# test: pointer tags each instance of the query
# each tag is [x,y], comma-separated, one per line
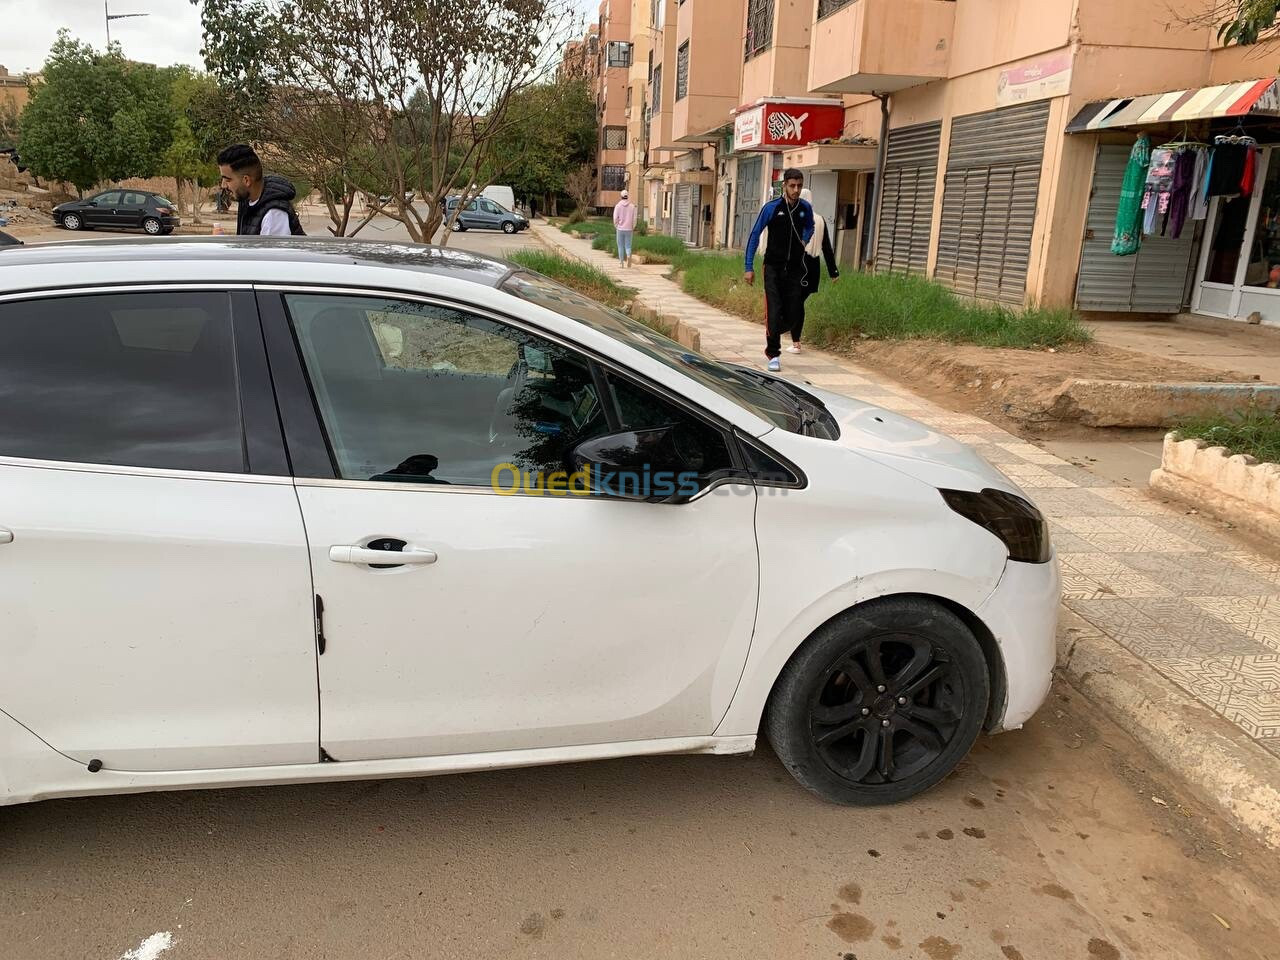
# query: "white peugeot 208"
[288,510]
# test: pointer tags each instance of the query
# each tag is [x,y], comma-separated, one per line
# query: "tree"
[199,132]
[1242,22]
[9,136]
[95,117]
[581,187]
[553,131]
[417,92]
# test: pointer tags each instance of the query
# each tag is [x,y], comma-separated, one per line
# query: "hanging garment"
[1128,233]
[1227,172]
[1200,204]
[1159,185]
[1180,198]
[1250,169]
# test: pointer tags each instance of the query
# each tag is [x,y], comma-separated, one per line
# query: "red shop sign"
[777,126]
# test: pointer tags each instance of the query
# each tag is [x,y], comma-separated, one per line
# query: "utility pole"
[109,16]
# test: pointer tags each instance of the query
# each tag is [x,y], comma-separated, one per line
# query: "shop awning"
[1250,98]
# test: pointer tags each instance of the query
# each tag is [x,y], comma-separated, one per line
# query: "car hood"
[910,447]
[70,204]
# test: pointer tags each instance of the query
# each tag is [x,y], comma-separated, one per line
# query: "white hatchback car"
[287,510]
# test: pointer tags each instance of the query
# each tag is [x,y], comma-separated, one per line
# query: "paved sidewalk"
[1170,588]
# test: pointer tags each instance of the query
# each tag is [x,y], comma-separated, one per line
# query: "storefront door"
[1239,270]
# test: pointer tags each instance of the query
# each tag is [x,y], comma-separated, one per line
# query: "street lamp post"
[109,16]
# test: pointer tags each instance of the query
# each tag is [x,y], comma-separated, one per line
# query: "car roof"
[207,254]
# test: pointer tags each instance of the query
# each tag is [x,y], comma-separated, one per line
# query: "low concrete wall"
[1125,403]
[1237,488]
[681,332]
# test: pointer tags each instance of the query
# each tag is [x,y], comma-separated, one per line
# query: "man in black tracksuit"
[789,221]
[266,203]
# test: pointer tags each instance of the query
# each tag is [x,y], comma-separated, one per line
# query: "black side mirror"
[637,465]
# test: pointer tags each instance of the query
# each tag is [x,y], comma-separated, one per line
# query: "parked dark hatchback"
[119,210]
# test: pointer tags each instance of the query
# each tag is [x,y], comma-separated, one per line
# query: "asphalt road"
[1060,841]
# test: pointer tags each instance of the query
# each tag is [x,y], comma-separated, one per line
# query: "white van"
[503,196]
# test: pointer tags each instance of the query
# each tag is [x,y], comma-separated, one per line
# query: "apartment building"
[13,89]
[978,142]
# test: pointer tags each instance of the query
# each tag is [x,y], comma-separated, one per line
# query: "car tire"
[152,227]
[72,221]
[880,703]
[508,227]
[459,226]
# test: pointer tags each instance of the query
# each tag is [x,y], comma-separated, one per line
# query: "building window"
[658,9]
[759,27]
[657,88]
[613,176]
[828,7]
[615,138]
[682,71]
[619,53]
[629,92]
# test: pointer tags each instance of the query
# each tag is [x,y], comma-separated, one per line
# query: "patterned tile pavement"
[1169,587]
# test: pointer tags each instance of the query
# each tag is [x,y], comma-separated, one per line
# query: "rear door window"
[129,379]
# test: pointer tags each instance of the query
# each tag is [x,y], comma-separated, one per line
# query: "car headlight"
[1015,522]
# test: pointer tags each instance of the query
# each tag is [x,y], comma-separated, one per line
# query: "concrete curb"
[1217,760]
[1237,488]
[1126,403]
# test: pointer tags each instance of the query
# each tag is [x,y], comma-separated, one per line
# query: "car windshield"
[776,406]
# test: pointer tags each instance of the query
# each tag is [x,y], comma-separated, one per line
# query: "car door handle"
[6,536]
[410,555]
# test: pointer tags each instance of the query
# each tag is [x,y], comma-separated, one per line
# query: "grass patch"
[884,306]
[1252,432]
[576,276]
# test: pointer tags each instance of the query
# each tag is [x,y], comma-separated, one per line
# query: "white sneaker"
[775,365]
[794,348]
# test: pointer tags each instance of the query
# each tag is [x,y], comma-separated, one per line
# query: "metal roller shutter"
[906,204]
[746,206]
[683,209]
[989,201]
[1153,280]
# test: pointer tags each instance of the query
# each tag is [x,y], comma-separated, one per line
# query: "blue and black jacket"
[790,228]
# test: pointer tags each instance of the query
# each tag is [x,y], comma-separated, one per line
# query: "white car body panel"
[544,622]
[598,655]
[114,651]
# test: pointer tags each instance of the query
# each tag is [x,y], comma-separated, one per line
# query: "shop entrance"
[1239,269]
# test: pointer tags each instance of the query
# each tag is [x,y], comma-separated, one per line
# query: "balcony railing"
[759,27]
[828,7]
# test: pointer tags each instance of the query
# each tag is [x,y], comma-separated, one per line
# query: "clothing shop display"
[1158,189]
[1199,202]
[1180,198]
[1128,233]
[1227,170]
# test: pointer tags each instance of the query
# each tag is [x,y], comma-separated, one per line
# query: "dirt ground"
[1062,841]
[1017,389]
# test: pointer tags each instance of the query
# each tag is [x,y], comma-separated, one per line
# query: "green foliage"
[552,130]
[96,117]
[9,136]
[1249,21]
[888,306]
[577,276]
[1251,432]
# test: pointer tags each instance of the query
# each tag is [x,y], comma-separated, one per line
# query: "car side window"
[129,379]
[490,206]
[702,446]
[107,199]
[420,393]
[134,200]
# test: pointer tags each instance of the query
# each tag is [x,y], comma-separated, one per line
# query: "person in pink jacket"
[624,225]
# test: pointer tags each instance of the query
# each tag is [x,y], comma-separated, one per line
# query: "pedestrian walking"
[789,220]
[818,246]
[624,226]
[265,202]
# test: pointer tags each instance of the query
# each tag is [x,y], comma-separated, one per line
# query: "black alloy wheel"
[881,702]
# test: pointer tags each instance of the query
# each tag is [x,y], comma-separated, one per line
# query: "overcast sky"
[170,34]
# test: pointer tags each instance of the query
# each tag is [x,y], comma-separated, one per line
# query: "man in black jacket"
[265,203]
